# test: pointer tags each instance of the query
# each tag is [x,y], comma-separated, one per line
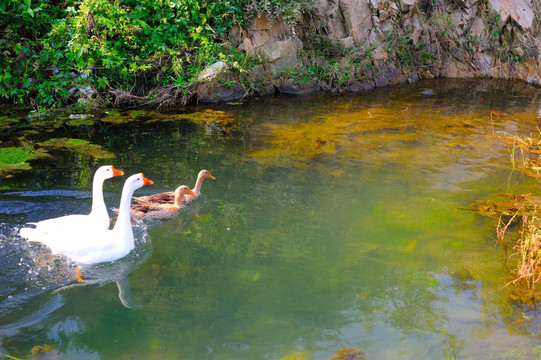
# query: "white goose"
[98,217]
[93,246]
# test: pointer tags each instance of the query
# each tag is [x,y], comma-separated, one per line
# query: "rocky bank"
[376,43]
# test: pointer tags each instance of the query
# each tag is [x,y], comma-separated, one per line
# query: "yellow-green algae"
[116,117]
[6,121]
[349,133]
[77,145]
[296,356]
[81,121]
[16,158]
[220,118]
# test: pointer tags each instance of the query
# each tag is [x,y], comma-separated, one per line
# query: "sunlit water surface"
[334,221]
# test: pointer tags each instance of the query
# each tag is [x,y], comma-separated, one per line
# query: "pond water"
[334,221]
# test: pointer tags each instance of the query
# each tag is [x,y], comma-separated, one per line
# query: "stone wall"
[470,38]
[446,38]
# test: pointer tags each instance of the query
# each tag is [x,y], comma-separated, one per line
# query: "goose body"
[168,197]
[148,211]
[98,217]
[92,246]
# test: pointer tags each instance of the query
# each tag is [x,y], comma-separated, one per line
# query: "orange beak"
[146,181]
[117,172]
[211,177]
[192,193]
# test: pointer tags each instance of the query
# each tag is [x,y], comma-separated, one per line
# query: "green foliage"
[408,53]
[56,54]
[290,10]
[327,61]
[22,24]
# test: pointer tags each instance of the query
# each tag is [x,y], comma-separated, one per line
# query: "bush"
[54,52]
[290,10]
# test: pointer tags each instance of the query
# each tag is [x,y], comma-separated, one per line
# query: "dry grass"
[165,96]
[529,148]
[520,215]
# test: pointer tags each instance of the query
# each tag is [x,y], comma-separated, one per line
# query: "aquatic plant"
[338,136]
[207,117]
[16,158]
[530,149]
[116,117]
[520,213]
[6,121]
[78,146]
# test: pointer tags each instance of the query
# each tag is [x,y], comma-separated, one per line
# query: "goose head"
[180,192]
[136,181]
[108,171]
[131,184]
[205,174]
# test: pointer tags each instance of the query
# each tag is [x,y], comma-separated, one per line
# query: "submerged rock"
[296,356]
[349,353]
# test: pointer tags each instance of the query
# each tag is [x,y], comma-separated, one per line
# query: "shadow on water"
[334,221]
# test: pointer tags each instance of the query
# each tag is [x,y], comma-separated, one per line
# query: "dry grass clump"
[520,213]
[529,148]
[528,248]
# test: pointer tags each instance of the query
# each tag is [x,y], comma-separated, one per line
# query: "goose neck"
[98,203]
[197,186]
[123,220]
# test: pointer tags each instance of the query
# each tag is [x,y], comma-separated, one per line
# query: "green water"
[334,221]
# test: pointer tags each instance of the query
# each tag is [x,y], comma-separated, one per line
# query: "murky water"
[335,221]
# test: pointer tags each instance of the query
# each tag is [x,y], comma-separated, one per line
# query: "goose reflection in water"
[124,294]
[117,271]
[49,280]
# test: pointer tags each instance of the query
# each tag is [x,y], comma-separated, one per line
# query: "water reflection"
[42,312]
[36,311]
[335,221]
[36,285]
[125,295]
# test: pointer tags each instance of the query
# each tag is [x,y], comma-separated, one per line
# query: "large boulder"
[519,10]
[218,84]
[347,21]
[357,18]
[272,39]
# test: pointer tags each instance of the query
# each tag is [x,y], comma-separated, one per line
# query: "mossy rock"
[116,117]
[6,121]
[79,146]
[296,356]
[16,158]
[220,118]
[80,120]
[349,353]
